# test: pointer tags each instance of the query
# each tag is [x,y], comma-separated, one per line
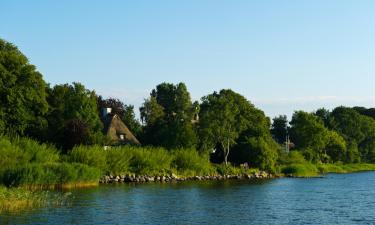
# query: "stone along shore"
[174,178]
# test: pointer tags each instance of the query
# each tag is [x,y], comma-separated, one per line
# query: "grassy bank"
[312,170]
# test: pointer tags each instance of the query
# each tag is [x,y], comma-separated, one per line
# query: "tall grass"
[189,162]
[142,160]
[18,199]
[37,175]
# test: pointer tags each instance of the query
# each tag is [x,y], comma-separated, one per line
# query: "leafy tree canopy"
[167,116]
[70,102]
[224,116]
[23,102]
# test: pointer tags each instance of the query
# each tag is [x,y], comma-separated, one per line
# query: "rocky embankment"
[174,178]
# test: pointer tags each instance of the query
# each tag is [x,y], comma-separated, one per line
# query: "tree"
[224,116]
[308,131]
[23,102]
[72,102]
[335,147]
[325,116]
[125,112]
[279,128]
[356,129]
[167,115]
[76,132]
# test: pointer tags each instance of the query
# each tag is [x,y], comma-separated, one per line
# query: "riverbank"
[314,170]
[174,178]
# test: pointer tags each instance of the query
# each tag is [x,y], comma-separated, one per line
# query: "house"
[116,130]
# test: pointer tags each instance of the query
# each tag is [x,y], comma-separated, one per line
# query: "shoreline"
[109,179]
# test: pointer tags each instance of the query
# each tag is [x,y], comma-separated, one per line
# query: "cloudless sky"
[282,55]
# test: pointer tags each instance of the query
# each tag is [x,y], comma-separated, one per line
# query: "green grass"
[300,170]
[17,199]
[345,168]
[50,175]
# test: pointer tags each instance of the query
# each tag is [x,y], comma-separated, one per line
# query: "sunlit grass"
[18,199]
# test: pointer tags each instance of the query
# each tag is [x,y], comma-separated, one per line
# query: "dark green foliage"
[366,112]
[279,128]
[23,102]
[224,117]
[167,116]
[308,131]
[76,132]
[72,103]
[358,130]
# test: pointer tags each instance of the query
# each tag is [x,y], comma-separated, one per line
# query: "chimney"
[106,111]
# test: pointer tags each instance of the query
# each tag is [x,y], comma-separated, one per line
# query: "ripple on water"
[339,199]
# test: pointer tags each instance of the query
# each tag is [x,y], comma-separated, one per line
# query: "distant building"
[116,130]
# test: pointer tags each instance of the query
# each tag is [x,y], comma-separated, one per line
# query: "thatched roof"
[117,131]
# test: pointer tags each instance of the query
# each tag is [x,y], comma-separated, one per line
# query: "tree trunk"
[226,152]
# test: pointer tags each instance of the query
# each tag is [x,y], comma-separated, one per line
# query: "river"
[334,199]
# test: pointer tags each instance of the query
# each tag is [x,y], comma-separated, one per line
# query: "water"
[335,199]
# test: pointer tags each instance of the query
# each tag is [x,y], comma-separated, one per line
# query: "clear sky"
[282,55]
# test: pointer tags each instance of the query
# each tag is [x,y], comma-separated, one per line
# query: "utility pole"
[287,141]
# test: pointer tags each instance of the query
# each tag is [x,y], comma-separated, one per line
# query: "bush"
[118,160]
[94,156]
[38,174]
[21,151]
[300,170]
[189,162]
[151,161]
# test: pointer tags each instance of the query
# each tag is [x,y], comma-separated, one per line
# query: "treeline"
[68,115]
[224,125]
[342,135]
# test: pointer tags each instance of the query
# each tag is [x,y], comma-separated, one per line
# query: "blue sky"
[282,55]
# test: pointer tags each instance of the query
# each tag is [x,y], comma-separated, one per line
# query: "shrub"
[189,162]
[94,156]
[118,160]
[151,161]
[38,174]
[300,170]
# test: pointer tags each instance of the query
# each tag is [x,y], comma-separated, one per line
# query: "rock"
[173,176]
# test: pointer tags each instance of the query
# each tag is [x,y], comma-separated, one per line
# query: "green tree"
[279,128]
[335,147]
[167,116]
[23,102]
[308,131]
[356,129]
[70,102]
[325,116]
[224,116]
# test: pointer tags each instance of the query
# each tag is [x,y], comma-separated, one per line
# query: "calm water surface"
[335,199]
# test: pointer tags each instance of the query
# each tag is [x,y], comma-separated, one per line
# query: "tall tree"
[224,116]
[167,116]
[358,131]
[72,102]
[279,128]
[23,102]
